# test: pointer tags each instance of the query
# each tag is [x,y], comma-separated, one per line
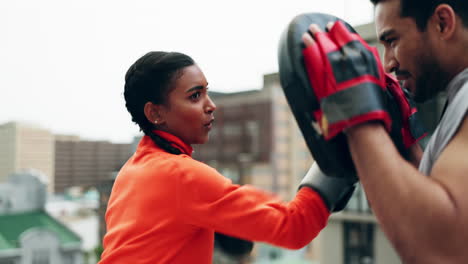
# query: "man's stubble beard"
[431,80]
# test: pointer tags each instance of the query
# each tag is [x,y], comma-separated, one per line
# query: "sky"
[62,62]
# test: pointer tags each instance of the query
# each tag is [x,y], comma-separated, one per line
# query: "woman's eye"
[195,96]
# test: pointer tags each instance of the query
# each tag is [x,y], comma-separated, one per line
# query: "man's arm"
[416,154]
[424,217]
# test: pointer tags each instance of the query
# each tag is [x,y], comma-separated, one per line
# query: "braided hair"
[150,79]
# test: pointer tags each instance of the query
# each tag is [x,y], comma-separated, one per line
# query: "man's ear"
[445,20]
[152,113]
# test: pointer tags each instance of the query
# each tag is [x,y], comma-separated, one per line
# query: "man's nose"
[390,62]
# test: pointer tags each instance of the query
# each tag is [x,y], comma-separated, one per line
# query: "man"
[424,213]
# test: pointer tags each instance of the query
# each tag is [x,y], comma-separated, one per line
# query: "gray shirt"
[457,97]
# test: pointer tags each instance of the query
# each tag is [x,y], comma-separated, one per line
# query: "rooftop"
[13,225]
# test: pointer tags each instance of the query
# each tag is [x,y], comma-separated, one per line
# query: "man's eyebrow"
[385,34]
[198,87]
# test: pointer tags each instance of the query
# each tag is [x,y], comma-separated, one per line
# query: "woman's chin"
[200,141]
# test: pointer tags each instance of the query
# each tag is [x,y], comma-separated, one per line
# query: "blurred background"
[65,132]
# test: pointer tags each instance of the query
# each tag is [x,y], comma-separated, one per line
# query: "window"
[40,256]
[358,243]
[253,130]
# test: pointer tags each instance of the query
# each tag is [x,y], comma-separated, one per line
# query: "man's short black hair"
[421,10]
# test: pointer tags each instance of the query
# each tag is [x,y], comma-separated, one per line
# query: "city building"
[66,161]
[28,234]
[26,146]
[78,211]
[86,163]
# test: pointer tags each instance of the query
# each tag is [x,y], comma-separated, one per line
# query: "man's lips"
[402,75]
[401,78]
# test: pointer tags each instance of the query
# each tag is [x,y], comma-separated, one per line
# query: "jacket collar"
[175,142]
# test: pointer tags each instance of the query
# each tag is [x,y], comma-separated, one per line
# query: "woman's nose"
[210,106]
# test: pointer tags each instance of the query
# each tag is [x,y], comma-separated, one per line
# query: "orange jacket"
[164,208]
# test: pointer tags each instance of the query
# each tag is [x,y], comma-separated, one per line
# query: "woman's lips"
[209,125]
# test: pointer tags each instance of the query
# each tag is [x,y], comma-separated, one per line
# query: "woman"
[166,206]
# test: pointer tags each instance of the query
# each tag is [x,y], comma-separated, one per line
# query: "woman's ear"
[152,113]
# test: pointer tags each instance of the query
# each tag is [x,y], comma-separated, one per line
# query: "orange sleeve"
[207,199]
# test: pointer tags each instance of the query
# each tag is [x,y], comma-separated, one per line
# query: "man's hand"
[353,89]
[326,101]
[407,128]
[347,77]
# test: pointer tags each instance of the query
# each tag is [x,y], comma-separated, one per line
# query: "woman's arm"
[208,199]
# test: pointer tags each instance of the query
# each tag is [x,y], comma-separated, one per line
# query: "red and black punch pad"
[332,156]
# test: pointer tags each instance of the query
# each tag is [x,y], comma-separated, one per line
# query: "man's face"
[409,52]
